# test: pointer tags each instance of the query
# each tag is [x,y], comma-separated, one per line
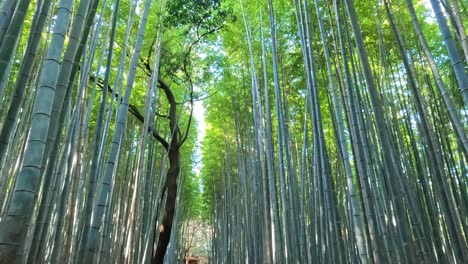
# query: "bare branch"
[134,111]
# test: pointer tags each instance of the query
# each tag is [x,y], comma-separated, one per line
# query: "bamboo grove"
[96,112]
[335,131]
[342,127]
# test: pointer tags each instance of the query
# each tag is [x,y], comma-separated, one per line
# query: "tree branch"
[188,125]
[134,111]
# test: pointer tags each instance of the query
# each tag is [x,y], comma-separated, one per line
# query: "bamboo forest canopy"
[233,131]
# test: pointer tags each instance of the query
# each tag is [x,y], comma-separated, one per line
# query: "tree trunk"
[165,227]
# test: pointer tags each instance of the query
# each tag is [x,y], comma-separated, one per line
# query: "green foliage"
[201,15]
[234,84]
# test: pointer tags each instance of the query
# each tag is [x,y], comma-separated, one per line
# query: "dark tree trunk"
[166,226]
[177,139]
